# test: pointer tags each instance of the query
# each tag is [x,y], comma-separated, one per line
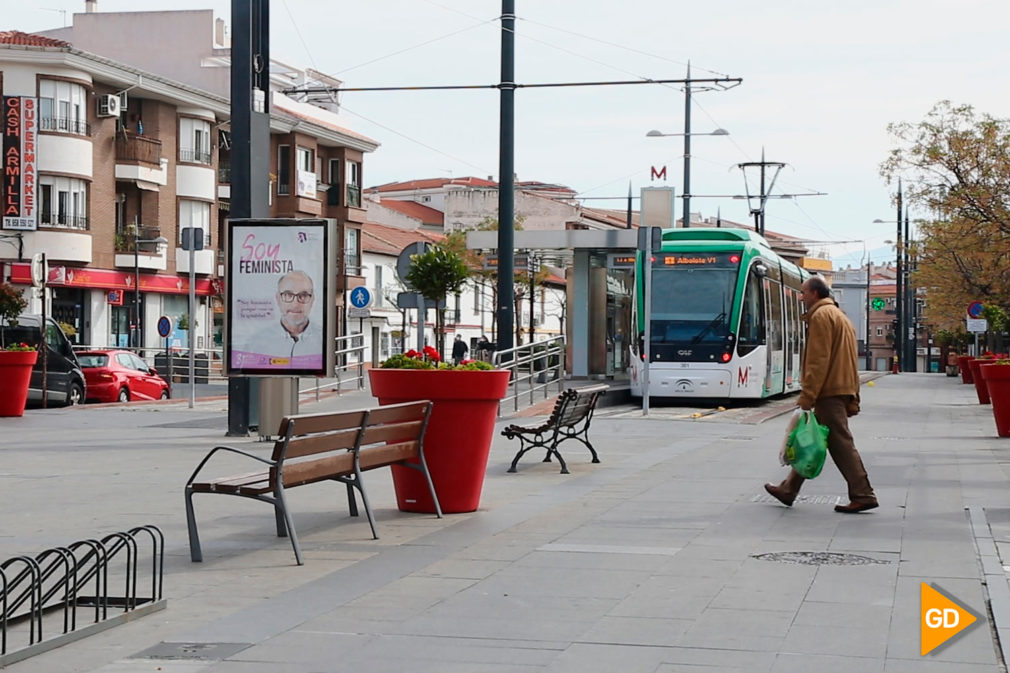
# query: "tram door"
[774,372]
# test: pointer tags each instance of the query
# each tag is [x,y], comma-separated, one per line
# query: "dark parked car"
[65,384]
[120,376]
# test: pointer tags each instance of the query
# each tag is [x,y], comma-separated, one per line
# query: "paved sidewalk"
[647,562]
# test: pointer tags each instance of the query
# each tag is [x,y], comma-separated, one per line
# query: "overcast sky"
[821,81]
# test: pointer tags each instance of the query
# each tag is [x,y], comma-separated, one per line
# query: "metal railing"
[45,592]
[194,156]
[535,368]
[50,220]
[350,366]
[65,124]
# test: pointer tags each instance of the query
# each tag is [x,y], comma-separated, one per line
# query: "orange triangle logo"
[941,618]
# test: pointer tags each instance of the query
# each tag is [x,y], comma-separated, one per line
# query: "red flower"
[431,354]
[412,353]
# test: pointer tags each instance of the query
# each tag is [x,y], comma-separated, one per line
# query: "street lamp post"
[137,331]
[687,154]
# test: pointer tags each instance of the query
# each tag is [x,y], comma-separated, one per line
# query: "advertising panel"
[280,298]
[17,195]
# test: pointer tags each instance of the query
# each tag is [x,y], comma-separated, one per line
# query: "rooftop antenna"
[62,12]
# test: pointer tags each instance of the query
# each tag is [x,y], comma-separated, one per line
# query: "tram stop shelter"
[599,293]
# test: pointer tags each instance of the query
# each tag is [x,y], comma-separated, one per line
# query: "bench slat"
[392,432]
[308,424]
[306,472]
[320,443]
[387,454]
[396,413]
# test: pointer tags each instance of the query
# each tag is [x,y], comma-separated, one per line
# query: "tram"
[725,320]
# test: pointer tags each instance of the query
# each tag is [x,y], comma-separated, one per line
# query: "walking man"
[459,349]
[830,380]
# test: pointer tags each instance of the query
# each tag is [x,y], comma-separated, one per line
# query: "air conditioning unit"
[108,105]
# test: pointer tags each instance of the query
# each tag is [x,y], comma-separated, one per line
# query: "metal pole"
[899,297]
[648,327]
[135,330]
[530,261]
[866,346]
[192,315]
[44,346]
[911,364]
[687,149]
[421,317]
[506,179]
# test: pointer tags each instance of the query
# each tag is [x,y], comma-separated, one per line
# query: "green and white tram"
[725,320]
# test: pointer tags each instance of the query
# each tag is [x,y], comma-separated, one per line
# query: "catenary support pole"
[506,179]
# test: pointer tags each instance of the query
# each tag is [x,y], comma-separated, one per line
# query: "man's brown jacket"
[829,359]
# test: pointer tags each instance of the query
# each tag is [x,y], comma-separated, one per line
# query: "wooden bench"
[573,412]
[322,447]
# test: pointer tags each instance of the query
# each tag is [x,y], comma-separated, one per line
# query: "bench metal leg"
[524,446]
[282,529]
[195,553]
[352,502]
[364,501]
[284,516]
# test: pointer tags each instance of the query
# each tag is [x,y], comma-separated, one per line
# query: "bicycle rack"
[36,592]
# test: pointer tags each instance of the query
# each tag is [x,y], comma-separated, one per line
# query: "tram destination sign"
[621,260]
[721,260]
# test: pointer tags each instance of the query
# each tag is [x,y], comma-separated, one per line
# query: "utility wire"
[294,24]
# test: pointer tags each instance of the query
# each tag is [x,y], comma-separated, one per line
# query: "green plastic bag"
[807,446]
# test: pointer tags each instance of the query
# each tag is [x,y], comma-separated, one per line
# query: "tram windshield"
[692,304]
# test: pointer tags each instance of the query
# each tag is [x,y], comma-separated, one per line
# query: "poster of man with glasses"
[278,291]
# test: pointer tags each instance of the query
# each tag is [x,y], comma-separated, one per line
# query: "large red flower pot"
[976,378]
[962,364]
[15,374]
[457,441]
[997,380]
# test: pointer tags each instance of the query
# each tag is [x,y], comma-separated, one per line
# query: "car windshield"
[93,359]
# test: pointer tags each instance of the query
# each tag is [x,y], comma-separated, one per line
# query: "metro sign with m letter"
[657,174]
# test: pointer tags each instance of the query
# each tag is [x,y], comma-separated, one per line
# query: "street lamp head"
[659,134]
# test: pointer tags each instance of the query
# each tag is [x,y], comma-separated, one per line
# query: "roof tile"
[16,37]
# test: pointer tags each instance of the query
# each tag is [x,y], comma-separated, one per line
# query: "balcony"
[125,239]
[191,156]
[142,149]
[65,125]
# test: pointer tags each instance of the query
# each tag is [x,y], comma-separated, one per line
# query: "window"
[61,107]
[880,331]
[352,259]
[283,169]
[478,296]
[353,184]
[304,159]
[194,140]
[64,202]
[333,193]
[195,214]
[377,292]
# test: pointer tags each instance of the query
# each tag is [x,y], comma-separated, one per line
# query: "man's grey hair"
[818,286]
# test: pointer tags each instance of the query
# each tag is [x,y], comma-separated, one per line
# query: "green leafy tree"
[955,164]
[435,274]
[12,304]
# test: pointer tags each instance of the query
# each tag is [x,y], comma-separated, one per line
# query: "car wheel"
[75,395]
[164,393]
[124,395]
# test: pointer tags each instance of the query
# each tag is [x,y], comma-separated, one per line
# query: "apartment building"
[112,160]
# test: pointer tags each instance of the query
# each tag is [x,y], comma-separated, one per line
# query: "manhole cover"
[819,558]
[199,651]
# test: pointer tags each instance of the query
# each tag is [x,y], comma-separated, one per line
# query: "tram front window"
[691,309]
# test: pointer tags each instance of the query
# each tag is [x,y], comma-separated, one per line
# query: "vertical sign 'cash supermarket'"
[17,195]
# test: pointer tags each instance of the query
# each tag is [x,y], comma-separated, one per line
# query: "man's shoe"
[779,495]
[854,507]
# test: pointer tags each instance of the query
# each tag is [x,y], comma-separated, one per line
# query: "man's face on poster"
[295,298]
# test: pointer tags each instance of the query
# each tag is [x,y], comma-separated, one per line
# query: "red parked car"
[120,376]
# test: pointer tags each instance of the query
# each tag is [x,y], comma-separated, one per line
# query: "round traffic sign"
[975,309]
[360,297]
[164,326]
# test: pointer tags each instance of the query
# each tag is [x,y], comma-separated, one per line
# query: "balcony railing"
[125,239]
[139,148]
[50,221]
[354,196]
[65,125]
[224,174]
[352,264]
[194,156]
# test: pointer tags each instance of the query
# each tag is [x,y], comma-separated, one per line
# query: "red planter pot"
[997,380]
[980,390]
[458,438]
[965,369]
[16,373]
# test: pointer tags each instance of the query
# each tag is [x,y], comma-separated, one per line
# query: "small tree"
[11,306]
[435,274]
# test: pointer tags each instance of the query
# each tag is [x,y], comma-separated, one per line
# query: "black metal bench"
[573,412]
[322,447]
